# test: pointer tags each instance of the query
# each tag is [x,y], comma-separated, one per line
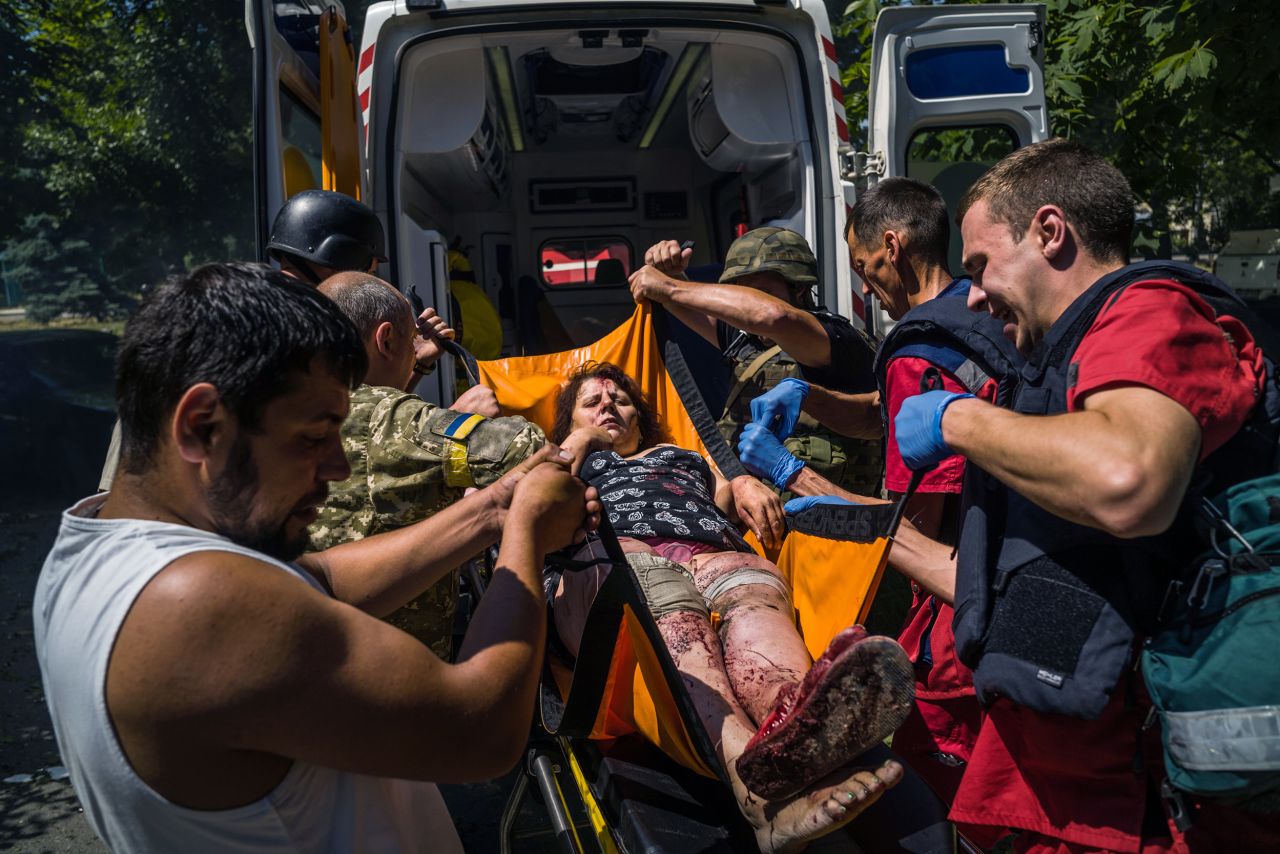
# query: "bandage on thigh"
[738,578]
[668,587]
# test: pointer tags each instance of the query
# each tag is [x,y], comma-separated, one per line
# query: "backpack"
[1208,666]
[1209,670]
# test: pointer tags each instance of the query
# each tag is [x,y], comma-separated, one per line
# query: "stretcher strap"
[857,523]
[682,378]
[463,355]
[453,348]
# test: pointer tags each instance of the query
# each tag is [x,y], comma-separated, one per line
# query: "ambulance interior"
[555,158]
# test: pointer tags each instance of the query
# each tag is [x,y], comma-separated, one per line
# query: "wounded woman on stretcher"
[788,731]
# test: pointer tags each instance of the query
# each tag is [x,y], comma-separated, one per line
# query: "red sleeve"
[902,380]
[1162,335]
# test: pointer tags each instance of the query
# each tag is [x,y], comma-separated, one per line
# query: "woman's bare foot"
[787,826]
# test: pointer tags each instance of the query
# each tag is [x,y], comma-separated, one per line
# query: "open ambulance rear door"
[953,90]
[305,121]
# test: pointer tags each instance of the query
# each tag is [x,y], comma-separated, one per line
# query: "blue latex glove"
[798,505]
[763,455]
[919,428]
[780,404]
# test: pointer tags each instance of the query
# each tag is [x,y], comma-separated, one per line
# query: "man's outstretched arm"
[1122,464]
[230,663]
[854,415]
[381,573]
[699,305]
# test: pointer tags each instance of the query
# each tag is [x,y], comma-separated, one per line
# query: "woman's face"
[602,404]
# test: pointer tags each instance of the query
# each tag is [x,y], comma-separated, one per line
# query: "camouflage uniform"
[410,459]
[854,464]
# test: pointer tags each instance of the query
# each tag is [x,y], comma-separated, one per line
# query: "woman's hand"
[583,441]
[759,507]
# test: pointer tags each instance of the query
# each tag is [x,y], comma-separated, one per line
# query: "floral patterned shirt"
[666,494]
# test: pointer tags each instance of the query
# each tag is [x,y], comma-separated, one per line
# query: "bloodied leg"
[764,655]
[811,809]
[811,720]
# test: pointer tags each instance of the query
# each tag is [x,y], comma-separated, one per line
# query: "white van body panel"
[277,68]
[482,125]
[463,6]
[897,113]
[806,129]
[919,88]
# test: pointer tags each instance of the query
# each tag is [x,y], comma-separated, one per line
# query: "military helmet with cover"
[772,250]
[329,229]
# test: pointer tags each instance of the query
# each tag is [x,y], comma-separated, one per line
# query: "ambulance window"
[951,159]
[962,71]
[301,152]
[585,262]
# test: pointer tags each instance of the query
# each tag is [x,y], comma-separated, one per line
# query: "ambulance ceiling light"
[501,65]
[675,85]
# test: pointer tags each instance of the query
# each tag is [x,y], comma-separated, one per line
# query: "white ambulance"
[555,141]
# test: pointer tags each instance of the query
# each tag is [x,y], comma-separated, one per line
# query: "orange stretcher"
[618,727]
[832,557]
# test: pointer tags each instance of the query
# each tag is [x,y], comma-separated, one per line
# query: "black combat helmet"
[329,229]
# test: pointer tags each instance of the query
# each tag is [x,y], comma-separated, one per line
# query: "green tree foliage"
[134,133]
[56,273]
[1177,93]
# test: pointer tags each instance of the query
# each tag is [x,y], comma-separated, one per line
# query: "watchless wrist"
[786,471]
[951,437]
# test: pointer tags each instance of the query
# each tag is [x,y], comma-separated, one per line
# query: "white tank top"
[93,574]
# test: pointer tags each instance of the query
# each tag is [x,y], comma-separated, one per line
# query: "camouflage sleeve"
[412,440]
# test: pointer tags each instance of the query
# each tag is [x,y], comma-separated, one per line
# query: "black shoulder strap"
[1220,297]
[969,344]
[681,377]
[1254,448]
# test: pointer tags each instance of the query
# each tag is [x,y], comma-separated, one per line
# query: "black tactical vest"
[1047,611]
[968,344]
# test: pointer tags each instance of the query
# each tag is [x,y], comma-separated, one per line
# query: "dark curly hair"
[651,432]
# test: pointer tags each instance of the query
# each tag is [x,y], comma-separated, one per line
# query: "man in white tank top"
[211,690]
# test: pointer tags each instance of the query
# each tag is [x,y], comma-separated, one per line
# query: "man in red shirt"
[1128,389]
[898,237]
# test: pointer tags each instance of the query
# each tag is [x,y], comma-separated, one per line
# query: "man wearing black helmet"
[319,232]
